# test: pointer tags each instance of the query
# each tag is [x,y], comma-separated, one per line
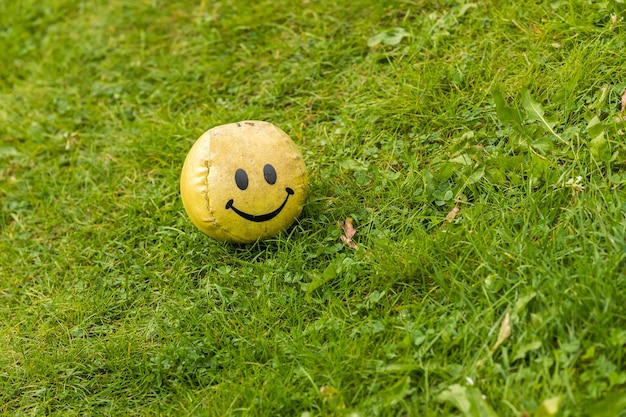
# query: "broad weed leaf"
[395,36]
[543,145]
[505,113]
[469,401]
[396,392]
[599,149]
[464,8]
[534,111]
[611,405]
[521,352]
[8,151]
[476,175]
[457,396]
[391,37]
[463,159]
[533,108]
[598,145]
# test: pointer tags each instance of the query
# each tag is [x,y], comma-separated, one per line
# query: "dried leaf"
[624,101]
[349,242]
[536,29]
[505,331]
[348,233]
[349,229]
[451,216]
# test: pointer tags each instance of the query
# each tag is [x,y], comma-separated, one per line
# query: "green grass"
[112,303]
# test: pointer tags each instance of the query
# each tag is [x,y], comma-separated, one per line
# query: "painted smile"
[260,217]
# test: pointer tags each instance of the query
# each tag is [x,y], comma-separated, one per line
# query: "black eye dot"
[269,173]
[241,178]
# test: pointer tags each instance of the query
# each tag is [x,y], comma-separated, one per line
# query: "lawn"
[479,148]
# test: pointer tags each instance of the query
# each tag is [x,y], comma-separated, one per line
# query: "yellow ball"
[243,181]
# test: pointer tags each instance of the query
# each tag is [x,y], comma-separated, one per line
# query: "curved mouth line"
[260,217]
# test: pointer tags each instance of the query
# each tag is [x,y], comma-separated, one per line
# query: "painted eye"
[241,178]
[269,173]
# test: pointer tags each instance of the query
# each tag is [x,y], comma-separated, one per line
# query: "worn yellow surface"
[243,181]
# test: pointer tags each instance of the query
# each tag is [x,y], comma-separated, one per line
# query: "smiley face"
[243,181]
